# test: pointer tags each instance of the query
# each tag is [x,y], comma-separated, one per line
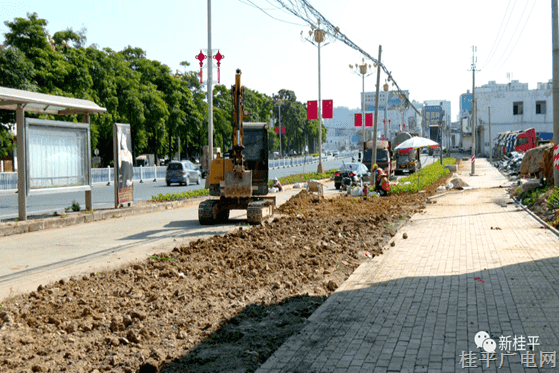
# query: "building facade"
[513,107]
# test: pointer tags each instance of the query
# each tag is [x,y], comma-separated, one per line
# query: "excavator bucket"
[238,184]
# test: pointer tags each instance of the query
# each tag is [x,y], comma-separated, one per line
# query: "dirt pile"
[222,304]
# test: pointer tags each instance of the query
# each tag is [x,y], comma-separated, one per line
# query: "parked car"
[348,171]
[336,154]
[182,172]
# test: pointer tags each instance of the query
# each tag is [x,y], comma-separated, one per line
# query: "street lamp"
[317,37]
[279,102]
[362,70]
[386,87]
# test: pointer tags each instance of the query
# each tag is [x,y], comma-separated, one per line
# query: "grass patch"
[291,179]
[427,176]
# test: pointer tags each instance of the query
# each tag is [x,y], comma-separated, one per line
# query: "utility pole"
[374,155]
[490,141]
[210,88]
[555,38]
[474,108]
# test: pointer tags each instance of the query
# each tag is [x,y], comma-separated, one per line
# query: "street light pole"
[374,157]
[210,88]
[474,108]
[320,169]
[279,130]
[319,36]
[555,48]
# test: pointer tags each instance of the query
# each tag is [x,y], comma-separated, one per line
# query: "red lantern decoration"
[218,57]
[201,57]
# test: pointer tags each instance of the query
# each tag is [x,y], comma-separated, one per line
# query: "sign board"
[58,156]
[465,104]
[124,169]
[395,101]
[355,138]
[433,114]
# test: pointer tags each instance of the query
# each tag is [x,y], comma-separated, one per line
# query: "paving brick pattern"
[473,262]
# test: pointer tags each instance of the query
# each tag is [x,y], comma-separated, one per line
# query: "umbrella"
[417,143]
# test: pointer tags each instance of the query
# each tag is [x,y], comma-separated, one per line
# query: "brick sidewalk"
[473,262]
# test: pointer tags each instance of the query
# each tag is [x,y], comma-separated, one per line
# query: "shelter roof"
[43,103]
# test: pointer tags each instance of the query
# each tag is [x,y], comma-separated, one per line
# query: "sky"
[426,45]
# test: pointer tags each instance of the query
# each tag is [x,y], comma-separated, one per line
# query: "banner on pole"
[368,119]
[327,109]
[556,156]
[312,110]
[358,120]
[282,130]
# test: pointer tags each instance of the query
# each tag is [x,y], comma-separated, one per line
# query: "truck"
[405,158]
[384,159]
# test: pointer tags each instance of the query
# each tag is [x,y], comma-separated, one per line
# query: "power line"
[512,37]
[305,11]
[493,49]
[268,14]
[523,27]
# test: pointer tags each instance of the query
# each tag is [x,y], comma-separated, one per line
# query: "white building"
[513,107]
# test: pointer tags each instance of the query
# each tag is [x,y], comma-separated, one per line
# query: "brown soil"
[222,304]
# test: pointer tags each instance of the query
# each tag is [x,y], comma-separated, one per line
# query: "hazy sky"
[426,44]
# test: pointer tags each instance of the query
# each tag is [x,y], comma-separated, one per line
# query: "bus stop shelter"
[22,101]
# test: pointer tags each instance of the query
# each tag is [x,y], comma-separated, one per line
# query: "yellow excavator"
[241,180]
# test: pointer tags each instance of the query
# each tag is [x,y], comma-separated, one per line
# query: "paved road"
[103,196]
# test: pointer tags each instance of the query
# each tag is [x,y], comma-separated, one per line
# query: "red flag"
[312,110]
[368,119]
[358,120]
[327,109]
[282,130]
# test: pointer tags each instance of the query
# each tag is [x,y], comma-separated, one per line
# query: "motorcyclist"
[277,184]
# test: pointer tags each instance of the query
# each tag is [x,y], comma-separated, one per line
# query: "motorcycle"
[350,179]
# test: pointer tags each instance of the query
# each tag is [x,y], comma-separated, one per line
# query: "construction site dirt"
[223,304]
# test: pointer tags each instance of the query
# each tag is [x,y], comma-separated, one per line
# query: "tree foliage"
[165,110]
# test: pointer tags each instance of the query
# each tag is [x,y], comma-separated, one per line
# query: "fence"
[8,180]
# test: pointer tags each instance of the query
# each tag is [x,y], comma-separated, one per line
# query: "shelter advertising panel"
[124,168]
[57,156]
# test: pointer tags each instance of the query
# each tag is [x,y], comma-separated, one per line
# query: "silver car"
[182,172]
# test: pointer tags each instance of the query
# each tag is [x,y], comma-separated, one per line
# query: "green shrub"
[179,196]
[553,200]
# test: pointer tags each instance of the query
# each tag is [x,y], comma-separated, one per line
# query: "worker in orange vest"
[382,185]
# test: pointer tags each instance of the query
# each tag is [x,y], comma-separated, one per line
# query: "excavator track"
[208,212]
[258,210]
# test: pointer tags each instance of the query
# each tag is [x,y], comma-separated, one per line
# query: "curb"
[536,217]
[12,228]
